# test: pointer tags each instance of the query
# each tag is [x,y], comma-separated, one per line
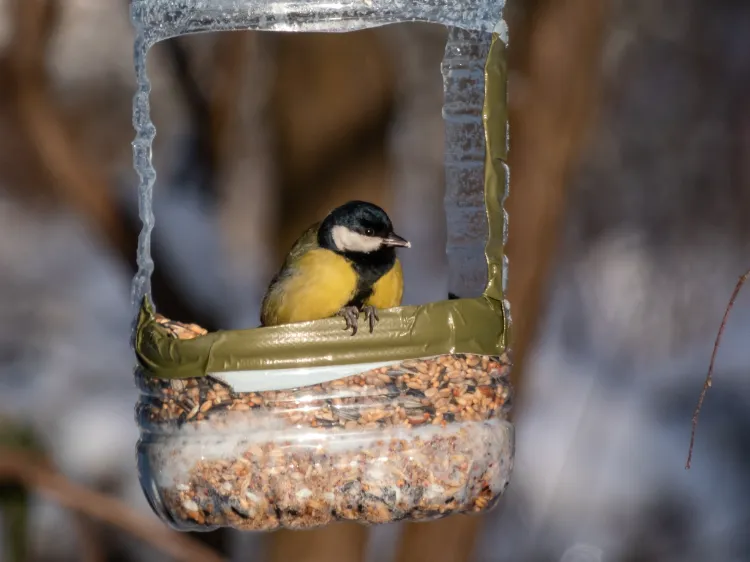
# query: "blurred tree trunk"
[552,101]
[73,178]
[417,150]
[245,173]
[333,103]
[339,542]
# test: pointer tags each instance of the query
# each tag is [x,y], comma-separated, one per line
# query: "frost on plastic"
[160,19]
[415,440]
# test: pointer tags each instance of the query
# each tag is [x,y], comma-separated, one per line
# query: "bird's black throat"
[369,267]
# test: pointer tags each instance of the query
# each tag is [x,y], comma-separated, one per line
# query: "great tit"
[341,266]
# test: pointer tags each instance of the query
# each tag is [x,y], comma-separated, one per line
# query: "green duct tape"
[479,325]
[410,332]
[496,172]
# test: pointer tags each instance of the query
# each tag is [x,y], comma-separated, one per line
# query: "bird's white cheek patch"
[348,240]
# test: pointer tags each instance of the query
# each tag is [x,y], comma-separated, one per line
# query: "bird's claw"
[371,314]
[351,315]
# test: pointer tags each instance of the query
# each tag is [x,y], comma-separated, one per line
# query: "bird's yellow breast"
[315,286]
[389,289]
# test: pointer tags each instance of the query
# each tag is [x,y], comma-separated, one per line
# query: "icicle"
[142,149]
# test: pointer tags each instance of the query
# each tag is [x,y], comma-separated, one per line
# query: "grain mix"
[416,440]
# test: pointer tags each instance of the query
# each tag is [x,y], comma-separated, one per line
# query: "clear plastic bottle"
[300,447]
[416,440]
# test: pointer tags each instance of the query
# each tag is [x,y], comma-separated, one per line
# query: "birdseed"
[416,440]
[438,390]
[305,478]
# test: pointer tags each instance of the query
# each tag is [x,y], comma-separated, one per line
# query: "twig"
[27,469]
[709,376]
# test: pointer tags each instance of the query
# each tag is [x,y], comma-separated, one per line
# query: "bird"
[340,266]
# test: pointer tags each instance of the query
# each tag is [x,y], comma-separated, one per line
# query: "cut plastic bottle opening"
[302,424]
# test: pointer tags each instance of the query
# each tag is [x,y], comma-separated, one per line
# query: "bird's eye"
[369,232]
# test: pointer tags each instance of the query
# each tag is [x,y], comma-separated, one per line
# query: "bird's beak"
[394,239]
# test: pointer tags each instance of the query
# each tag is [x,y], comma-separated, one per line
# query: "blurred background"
[629,225]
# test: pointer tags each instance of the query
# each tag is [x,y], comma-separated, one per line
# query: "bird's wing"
[306,242]
[316,285]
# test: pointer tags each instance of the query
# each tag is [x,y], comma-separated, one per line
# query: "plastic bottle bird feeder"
[303,424]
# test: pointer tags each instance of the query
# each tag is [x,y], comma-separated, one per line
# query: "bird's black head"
[358,227]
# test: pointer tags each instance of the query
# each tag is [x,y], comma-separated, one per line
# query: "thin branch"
[709,376]
[30,471]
